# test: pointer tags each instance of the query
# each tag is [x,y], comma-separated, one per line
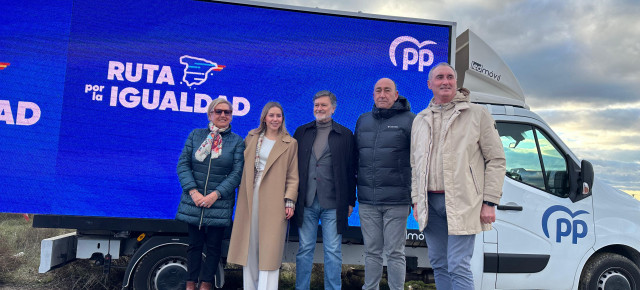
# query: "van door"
[542,234]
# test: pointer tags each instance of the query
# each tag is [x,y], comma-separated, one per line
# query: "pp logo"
[577,229]
[410,55]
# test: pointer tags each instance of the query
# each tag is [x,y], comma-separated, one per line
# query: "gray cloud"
[569,51]
[602,156]
[616,119]
[609,31]
[622,175]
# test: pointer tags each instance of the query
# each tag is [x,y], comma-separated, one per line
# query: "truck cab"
[557,227]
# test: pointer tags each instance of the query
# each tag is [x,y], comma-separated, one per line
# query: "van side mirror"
[586,176]
[581,180]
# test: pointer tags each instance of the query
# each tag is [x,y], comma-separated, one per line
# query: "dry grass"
[233,277]
[419,285]
[352,278]
[82,274]
[20,259]
[20,250]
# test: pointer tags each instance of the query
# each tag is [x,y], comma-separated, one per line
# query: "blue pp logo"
[564,227]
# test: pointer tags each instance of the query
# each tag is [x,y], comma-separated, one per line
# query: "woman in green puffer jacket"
[209,169]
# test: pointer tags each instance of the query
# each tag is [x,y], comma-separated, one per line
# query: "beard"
[323,118]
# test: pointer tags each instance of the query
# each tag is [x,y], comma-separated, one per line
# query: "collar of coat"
[278,149]
[335,126]
[225,132]
[282,136]
[460,102]
[399,106]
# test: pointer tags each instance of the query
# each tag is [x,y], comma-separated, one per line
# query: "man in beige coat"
[458,168]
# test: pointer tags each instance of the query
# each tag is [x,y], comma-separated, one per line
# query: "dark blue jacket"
[342,146]
[383,139]
[224,172]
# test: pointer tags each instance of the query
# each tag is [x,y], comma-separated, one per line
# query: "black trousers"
[198,238]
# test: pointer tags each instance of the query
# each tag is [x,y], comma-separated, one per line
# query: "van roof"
[485,74]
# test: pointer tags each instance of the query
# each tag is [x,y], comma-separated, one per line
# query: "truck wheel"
[609,271]
[162,268]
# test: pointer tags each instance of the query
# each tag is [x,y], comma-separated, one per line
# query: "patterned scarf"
[257,160]
[212,144]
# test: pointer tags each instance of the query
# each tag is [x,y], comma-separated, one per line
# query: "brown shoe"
[205,286]
[191,285]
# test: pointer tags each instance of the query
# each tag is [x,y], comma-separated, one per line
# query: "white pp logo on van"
[575,228]
[410,55]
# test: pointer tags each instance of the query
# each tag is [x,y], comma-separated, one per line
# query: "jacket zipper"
[373,181]
[205,193]
[426,171]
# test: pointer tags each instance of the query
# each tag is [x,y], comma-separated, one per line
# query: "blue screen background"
[89,157]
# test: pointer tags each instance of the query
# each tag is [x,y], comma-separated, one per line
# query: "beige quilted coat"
[473,160]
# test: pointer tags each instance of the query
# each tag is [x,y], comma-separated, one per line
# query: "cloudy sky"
[577,61]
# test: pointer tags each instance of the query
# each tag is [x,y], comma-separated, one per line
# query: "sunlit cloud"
[598,132]
[634,193]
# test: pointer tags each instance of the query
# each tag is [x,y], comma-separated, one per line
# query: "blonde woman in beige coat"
[266,200]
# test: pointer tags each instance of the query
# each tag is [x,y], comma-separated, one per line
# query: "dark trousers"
[212,237]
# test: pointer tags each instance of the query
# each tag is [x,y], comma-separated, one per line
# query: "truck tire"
[609,271]
[163,268]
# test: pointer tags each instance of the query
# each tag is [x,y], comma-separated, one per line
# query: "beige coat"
[279,181]
[473,161]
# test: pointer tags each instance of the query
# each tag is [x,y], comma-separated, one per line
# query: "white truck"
[96,98]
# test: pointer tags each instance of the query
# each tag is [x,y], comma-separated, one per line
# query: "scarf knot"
[212,144]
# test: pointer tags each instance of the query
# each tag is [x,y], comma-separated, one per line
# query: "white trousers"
[252,278]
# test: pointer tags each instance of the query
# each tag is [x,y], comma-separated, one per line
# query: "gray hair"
[325,93]
[216,102]
[439,65]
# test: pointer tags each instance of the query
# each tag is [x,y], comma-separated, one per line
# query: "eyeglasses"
[219,112]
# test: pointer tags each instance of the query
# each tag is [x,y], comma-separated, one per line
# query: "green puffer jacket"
[224,176]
